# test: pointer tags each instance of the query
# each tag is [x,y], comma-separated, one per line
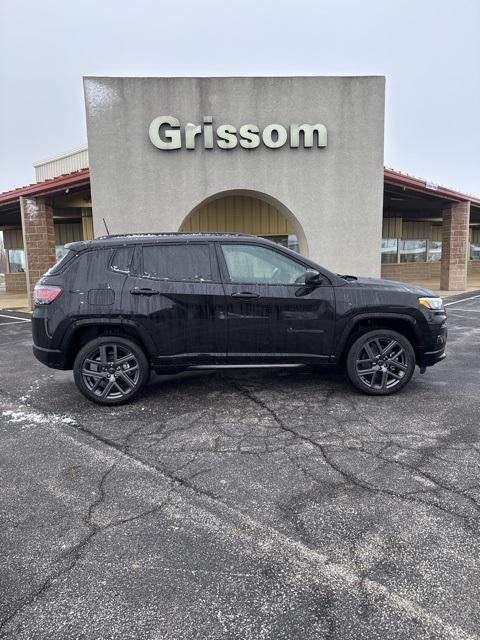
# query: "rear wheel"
[111,370]
[381,362]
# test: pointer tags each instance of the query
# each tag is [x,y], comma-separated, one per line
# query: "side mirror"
[312,277]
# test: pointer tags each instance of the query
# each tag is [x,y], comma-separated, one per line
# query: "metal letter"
[208,132]
[191,130]
[172,136]
[308,131]
[228,136]
[268,141]
[249,136]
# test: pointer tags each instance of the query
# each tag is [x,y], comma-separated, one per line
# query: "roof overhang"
[48,187]
[429,189]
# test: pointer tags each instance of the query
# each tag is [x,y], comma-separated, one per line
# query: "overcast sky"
[429,50]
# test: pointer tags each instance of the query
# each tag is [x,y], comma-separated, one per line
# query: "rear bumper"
[53,358]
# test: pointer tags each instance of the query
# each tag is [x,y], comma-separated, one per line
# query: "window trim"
[110,262]
[226,274]
[213,269]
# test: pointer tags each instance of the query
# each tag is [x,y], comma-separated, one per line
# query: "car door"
[272,316]
[176,295]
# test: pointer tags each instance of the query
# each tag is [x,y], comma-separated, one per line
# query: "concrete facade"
[332,196]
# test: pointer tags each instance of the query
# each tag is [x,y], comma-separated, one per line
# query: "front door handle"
[144,292]
[245,295]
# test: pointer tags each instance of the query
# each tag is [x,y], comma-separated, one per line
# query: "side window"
[260,265]
[121,259]
[177,262]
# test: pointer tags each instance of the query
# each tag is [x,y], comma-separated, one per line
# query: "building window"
[434,251]
[389,250]
[16,260]
[475,251]
[413,250]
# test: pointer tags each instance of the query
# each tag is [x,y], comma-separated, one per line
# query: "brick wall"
[455,246]
[473,266]
[39,238]
[416,271]
[16,282]
[411,271]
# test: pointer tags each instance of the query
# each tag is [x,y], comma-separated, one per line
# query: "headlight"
[431,303]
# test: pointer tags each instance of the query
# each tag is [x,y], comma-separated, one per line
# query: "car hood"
[393,285]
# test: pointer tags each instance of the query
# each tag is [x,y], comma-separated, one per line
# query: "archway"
[246,211]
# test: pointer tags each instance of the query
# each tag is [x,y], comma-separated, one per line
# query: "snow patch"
[32,209]
[32,417]
[26,416]
[100,98]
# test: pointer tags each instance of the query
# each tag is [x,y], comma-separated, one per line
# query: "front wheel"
[381,362]
[111,370]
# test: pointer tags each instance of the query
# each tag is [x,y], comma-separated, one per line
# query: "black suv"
[114,308]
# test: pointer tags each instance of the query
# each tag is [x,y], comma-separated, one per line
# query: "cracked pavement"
[266,504]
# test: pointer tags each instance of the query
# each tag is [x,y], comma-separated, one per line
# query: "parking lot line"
[2,315]
[467,310]
[2,324]
[448,304]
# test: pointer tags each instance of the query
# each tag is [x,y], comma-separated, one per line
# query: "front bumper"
[437,341]
[53,358]
[432,357]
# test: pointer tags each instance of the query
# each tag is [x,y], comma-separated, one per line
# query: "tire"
[111,370]
[380,362]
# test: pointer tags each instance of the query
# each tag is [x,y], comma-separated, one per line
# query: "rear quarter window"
[62,263]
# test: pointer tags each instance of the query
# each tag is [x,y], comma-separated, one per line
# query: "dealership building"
[298,160]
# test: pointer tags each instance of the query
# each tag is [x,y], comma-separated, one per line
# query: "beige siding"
[392,228]
[416,230]
[475,235]
[436,232]
[241,214]
[411,229]
[69,232]
[59,165]
[13,238]
[87,224]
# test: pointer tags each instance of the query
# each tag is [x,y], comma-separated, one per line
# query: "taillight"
[45,294]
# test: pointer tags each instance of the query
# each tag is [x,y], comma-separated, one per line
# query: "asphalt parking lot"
[242,505]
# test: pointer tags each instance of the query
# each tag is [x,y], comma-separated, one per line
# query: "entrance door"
[177,296]
[272,315]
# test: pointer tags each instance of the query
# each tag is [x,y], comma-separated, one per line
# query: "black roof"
[141,238]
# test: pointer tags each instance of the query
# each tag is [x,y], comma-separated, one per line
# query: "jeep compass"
[115,308]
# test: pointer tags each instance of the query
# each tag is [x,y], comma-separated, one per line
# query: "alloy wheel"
[381,363]
[110,371]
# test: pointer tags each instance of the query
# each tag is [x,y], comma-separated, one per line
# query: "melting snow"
[32,417]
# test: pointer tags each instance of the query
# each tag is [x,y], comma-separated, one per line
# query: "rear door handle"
[245,295]
[144,292]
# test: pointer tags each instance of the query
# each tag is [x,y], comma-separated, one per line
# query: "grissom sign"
[166,133]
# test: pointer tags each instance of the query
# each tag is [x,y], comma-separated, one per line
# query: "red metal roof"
[82,178]
[52,185]
[392,176]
